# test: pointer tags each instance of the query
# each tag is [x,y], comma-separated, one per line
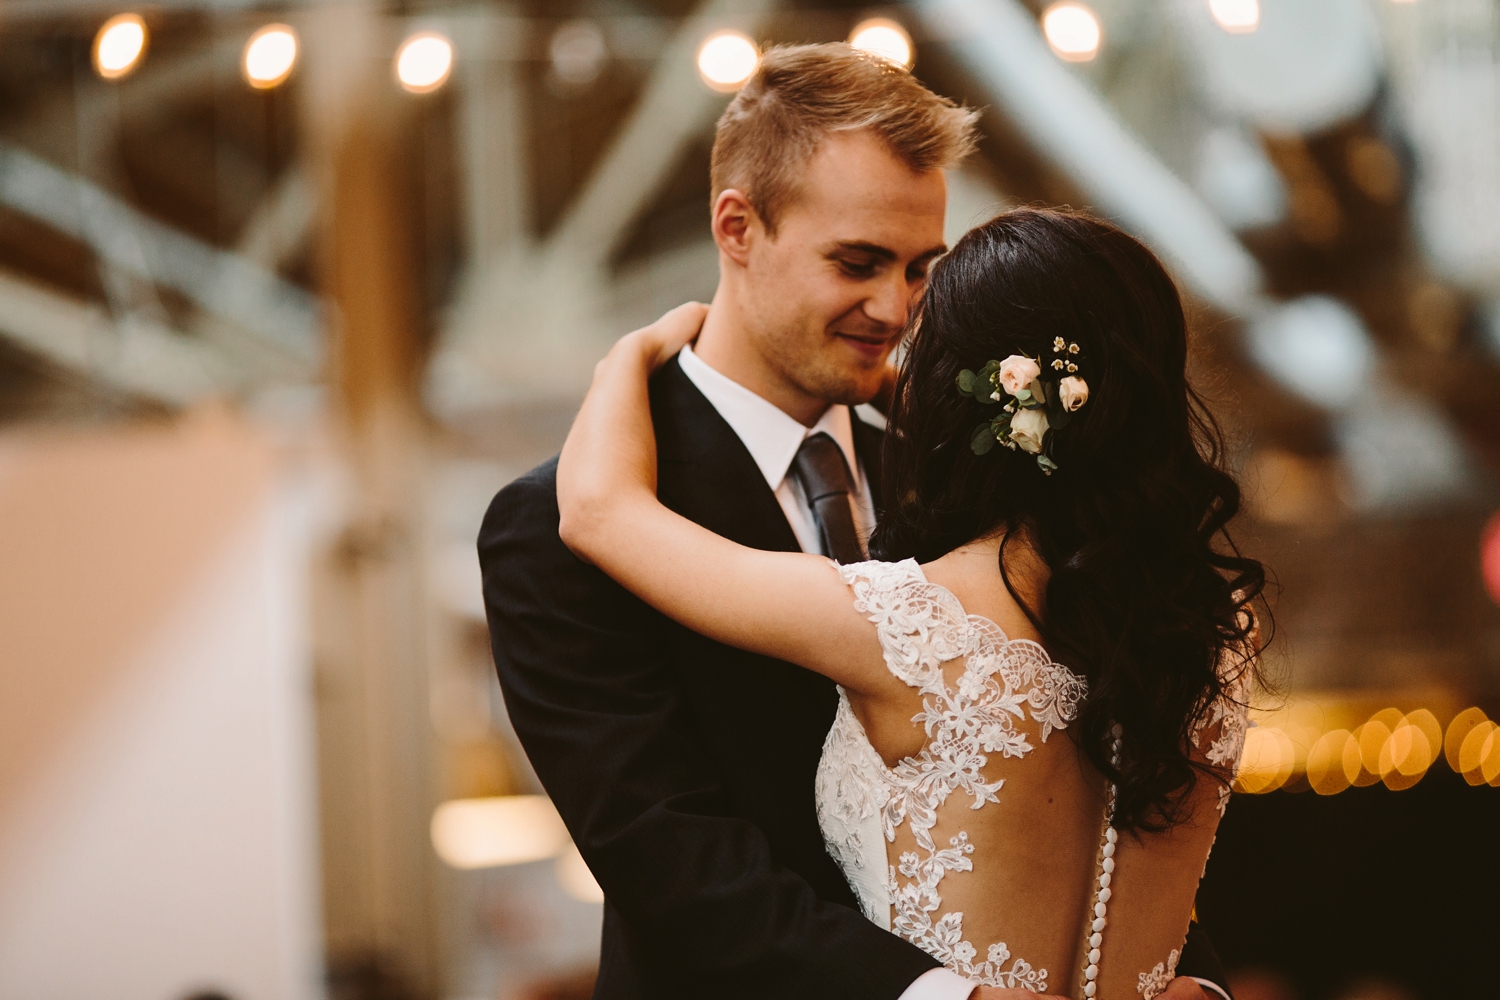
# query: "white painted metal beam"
[1000,43]
[225,283]
[136,356]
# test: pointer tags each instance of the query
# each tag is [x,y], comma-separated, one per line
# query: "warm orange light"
[1463,723]
[1489,758]
[1072,30]
[119,46]
[1472,754]
[727,59]
[269,56]
[885,38]
[1238,17]
[1406,756]
[424,62]
[1333,762]
[1267,761]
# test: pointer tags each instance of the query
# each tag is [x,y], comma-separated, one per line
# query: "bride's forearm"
[609,459]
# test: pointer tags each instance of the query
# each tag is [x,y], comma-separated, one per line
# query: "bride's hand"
[661,341]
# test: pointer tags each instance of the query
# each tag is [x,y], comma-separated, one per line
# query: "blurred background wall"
[289,290]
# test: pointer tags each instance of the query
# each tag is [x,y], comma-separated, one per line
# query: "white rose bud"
[1027,429]
[1016,373]
[1074,392]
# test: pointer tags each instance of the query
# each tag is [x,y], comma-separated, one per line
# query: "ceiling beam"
[276,312]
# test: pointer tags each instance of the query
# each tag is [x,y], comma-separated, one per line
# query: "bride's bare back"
[969,822]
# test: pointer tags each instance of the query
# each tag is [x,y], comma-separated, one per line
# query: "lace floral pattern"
[1155,982]
[1230,714]
[922,626]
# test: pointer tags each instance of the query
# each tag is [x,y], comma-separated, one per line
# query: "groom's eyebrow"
[876,250]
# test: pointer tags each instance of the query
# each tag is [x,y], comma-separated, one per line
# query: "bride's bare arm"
[791,606]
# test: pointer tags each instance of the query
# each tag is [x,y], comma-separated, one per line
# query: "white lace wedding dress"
[968,839]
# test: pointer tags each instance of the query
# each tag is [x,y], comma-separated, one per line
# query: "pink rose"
[1074,392]
[1017,372]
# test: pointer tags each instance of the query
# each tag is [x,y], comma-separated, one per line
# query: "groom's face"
[833,289]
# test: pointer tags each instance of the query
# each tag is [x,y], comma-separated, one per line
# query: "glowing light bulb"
[424,62]
[509,830]
[1072,30]
[885,38]
[1238,17]
[269,56]
[119,46]
[727,59]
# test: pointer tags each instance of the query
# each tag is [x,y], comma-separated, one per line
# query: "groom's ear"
[736,224]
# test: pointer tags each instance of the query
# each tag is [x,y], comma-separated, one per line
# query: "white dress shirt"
[772,437]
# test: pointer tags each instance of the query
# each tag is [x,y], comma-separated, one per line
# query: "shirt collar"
[770,435]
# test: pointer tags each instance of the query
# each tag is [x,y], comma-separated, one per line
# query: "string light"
[1072,30]
[885,38]
[119,46]
[424,61]
[1238,17]
[727,59]
[269,56]
[1387,748]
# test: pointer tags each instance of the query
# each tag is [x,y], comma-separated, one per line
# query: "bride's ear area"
[733,219]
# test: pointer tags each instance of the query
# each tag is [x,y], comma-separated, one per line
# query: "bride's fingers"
[677,327]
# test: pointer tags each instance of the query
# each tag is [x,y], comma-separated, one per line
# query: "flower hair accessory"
[1038,401]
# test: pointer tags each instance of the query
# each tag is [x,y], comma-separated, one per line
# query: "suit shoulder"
[528,501]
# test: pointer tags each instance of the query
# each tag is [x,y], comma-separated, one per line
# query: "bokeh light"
[1333,762]
[1474,752]
[508,830]
[885,38]
[1458,729]
[1238,17]
[119,46]
[270,55]
[1489,557]
[1073,31]
[424,62]
[1267,761]
[727,59]
[578,51]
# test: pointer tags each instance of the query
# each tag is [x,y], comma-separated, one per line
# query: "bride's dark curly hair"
[1146,590]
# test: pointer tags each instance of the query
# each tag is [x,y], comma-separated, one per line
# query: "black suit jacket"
[683,768]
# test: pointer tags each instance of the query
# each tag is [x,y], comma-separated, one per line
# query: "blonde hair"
[802,93]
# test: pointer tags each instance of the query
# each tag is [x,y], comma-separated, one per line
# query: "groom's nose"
[890,303]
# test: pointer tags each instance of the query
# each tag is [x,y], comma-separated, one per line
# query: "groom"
[684,769]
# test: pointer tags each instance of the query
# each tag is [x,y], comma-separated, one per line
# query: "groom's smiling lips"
[872,345]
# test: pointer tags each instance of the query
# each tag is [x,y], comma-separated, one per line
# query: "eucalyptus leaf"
[1024,395]
[967,381]
[983,440]
[1038,389]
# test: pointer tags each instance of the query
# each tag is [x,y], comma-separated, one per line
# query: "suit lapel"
[705,472]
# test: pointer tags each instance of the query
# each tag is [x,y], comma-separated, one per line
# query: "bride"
[1043,678]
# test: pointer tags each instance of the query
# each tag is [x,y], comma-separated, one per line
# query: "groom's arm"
[603,721]
[1201,962]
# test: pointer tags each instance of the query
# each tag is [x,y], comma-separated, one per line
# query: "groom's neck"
[728,344]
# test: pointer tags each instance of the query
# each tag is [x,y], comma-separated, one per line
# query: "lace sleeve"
[920,626]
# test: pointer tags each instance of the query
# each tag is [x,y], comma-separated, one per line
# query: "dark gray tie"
[820,468]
